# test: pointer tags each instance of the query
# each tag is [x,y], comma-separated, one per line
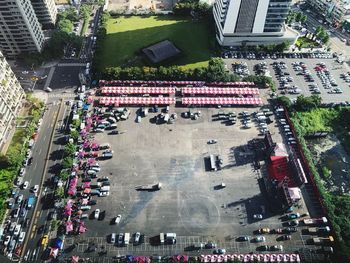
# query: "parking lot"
[335,68]
[190,203]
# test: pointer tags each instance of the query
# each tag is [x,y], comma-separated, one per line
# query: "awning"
[136,100]
[220,101]
[220,91]
[137,90]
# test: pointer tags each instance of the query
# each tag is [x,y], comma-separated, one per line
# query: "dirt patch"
[328,152]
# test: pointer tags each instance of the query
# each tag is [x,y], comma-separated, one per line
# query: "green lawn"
[126,36]
[303,42]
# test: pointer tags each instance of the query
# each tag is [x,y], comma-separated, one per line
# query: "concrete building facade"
[20,30]
[11,96]
[45,11]
[333,11]
[252,22]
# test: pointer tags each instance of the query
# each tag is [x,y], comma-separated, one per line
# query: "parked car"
[243,238]
[260,239]
[276,248]
[120,239]
[97,213]
[137,238]
[117,219]
[210,245]
[219,251]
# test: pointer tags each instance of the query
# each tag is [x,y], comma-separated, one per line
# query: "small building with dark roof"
[161,51]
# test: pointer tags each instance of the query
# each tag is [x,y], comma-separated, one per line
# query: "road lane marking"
[35,165]
[39,151]
[44,138]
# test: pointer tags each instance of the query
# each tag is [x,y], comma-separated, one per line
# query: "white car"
[35,188]
[117,219]
[19,181]
[7,240]
[97,213]
[103,194]
[21,237]
[25,185]
[22,172]
[17,230]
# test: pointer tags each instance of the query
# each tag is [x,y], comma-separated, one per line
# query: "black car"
[86,179]
[106,183]
[210,245]
[92,202]
[290,230]
[262,248]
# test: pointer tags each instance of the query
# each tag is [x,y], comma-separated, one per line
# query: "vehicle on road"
[292,216]
[293,223]
[7,240]
[258,216]
[25,185]
[44,240]
[288,230]
[30,201]
[17,230]
[315,221]
[35,188]
[212,141]
[21,237]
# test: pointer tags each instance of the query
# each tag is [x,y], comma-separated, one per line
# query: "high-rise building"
[11,96]
[252,22]
[45,11]
[20,30]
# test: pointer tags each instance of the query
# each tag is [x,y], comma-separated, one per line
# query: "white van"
[161,238]
[126,238]
[105,188]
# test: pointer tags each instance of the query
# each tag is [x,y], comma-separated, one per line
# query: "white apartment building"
[252,22]
[20,30]
[45,11]
[11,96]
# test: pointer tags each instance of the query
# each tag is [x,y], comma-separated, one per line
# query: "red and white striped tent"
[236,83]
[251,257]
[136,100]
[137,90]
[220,91]
[220,101]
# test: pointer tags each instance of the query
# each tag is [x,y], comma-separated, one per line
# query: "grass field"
[126,36]
[304,42]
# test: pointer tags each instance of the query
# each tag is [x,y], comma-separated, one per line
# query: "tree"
[307,103]
[303,19]
[325,39]
[59,192]
[69,149]
[64,175]
[74,134]
[216,70]
[67,162]
[284,101]
[65,25]
[298,16]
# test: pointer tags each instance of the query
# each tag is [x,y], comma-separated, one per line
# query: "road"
[41,225]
